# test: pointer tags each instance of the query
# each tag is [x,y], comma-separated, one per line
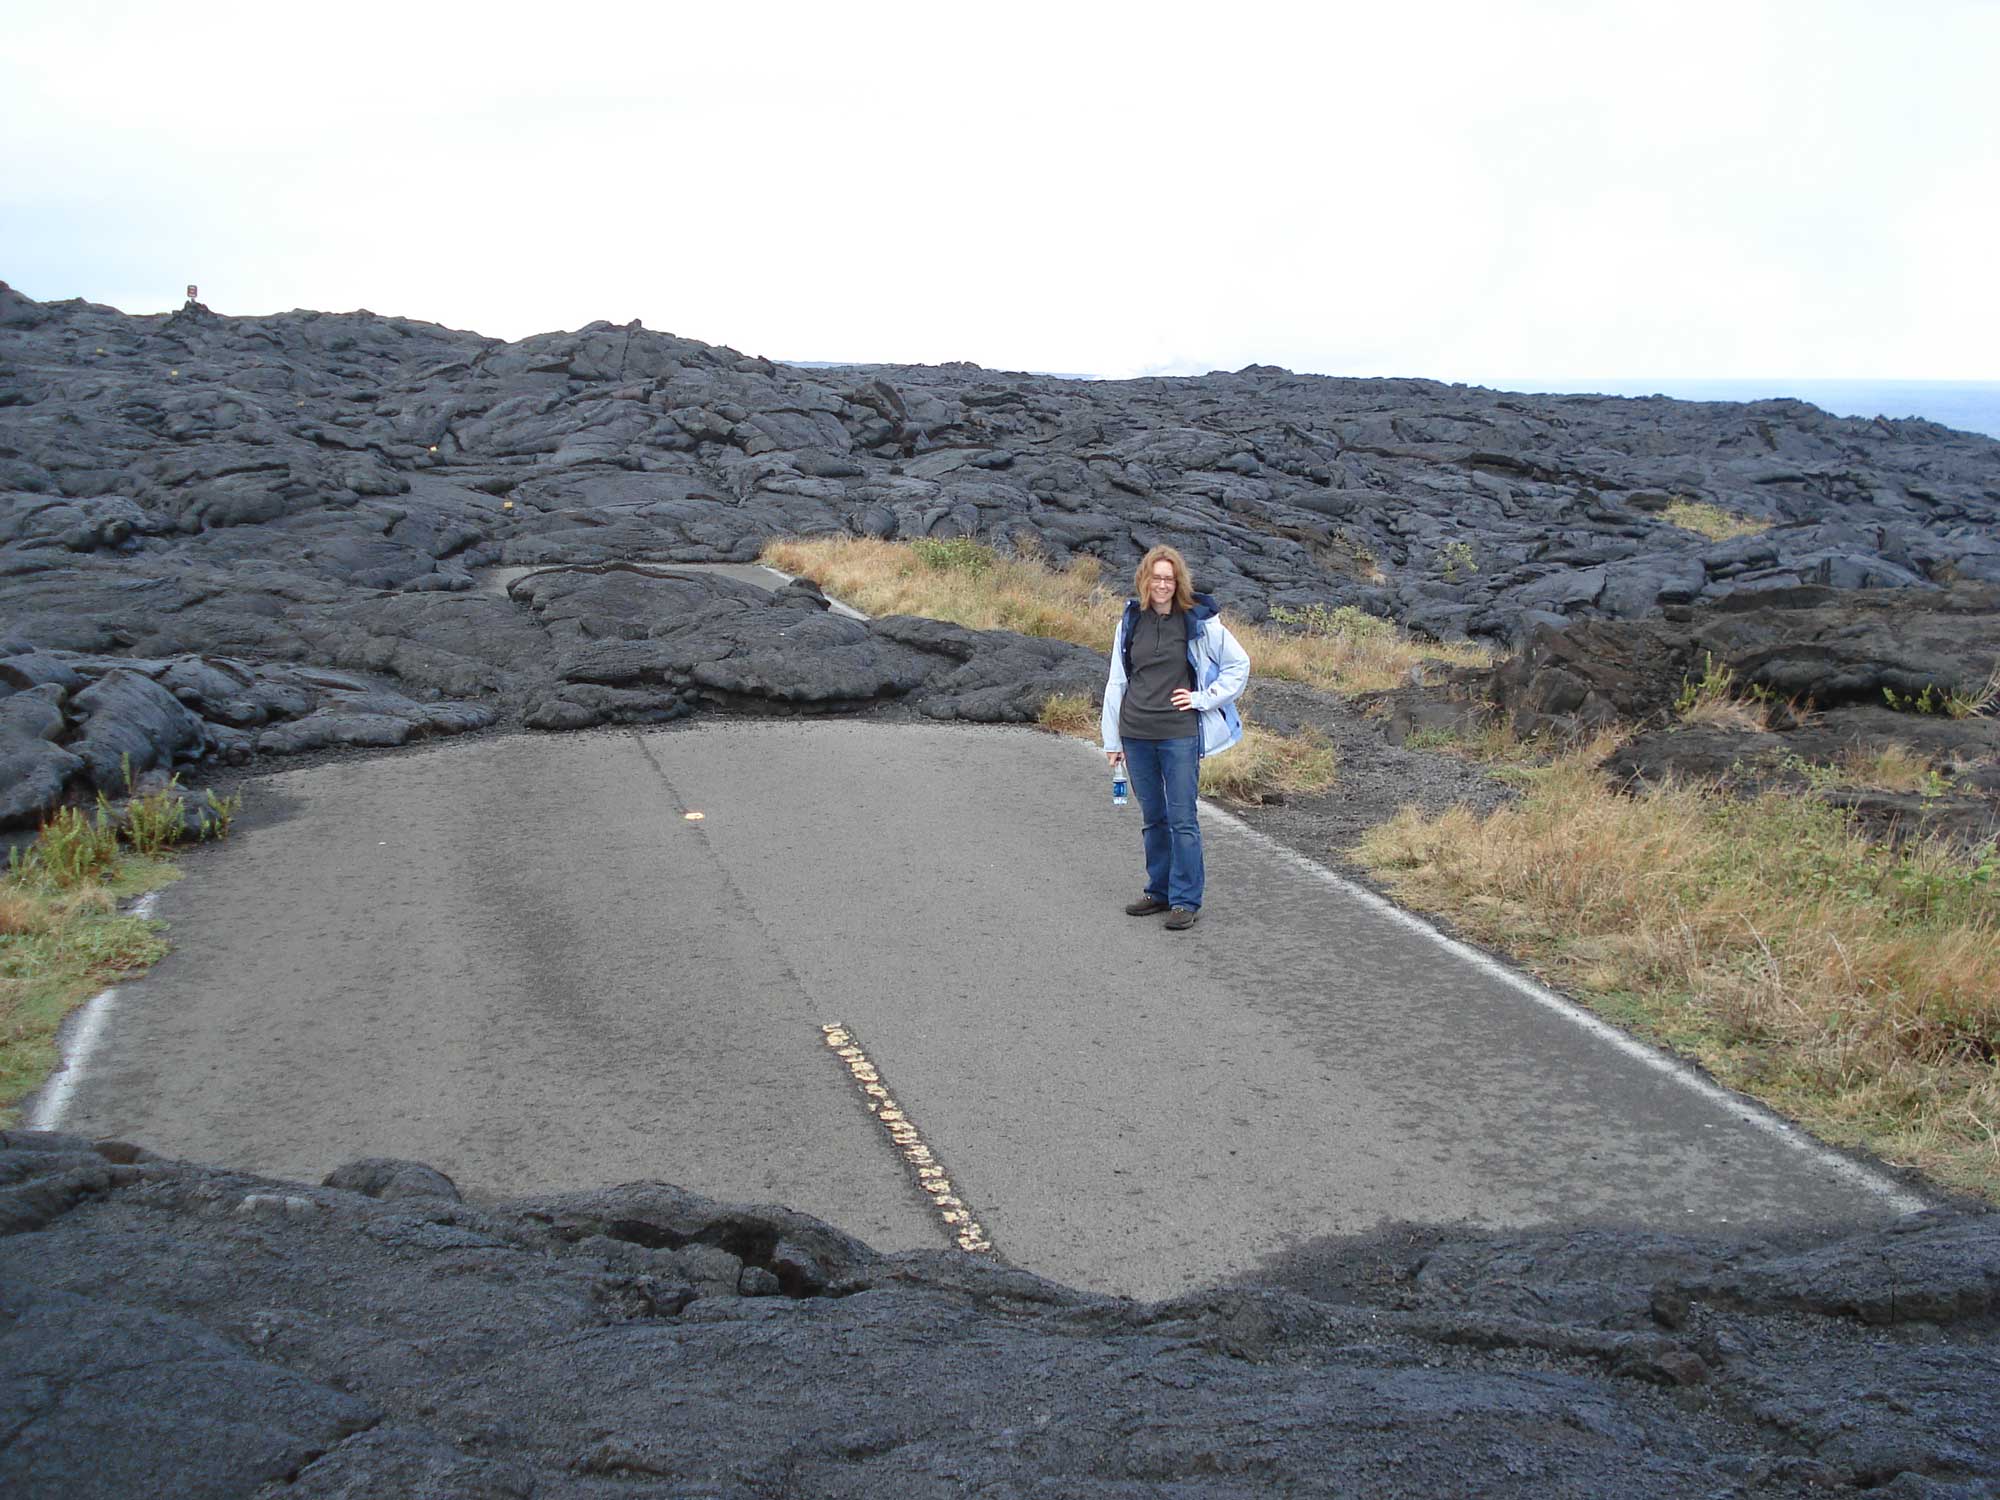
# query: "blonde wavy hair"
[1183,580]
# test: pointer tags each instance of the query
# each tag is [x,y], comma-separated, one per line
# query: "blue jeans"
[1164,775]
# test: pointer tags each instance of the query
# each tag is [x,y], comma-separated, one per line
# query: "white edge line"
[53,1101]
[834,604]
[1749,1111]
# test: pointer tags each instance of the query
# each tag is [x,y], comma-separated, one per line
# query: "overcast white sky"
[1508,193]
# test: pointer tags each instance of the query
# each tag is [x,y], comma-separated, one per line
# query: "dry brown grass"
[1071,714]
[1855,987]
[1007,593]
[1984,700]
[1337,650]
[1490,742]
[1889,768]
[1728,713]
[1265,762]
[1348,651]
[1716,701]
[21,915]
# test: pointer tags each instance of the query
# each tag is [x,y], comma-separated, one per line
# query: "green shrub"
[154,822]
[1347,621]
[70,850]
[1955,705]
[958,554]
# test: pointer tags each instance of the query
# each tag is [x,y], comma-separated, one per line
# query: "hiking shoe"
[1180,919]
[1145,906]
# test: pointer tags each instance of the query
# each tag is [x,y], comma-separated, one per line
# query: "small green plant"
[1716,682]
[1431,738]
[219,814]
[1955,704]
[57,947]
[1929,701]
[1815,774]
[1458,560]
[958,554]
[154,821]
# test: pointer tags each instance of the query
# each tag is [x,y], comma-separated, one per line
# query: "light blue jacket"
[1221,672]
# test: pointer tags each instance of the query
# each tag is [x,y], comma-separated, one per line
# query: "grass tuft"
[1953,704]
[1711,521]
[1716,700]
[1071,714]
[1294,764]
[958,554]
[153,822]
[1491,741]
[1005,593]
[1889,768]
[20,914]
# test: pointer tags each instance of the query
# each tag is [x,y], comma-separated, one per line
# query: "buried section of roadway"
[523,961]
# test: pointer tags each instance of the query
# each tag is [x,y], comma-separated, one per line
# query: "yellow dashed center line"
[956,1214]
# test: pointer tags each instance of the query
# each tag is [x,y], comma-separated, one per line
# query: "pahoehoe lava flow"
[230,539]
[235,537]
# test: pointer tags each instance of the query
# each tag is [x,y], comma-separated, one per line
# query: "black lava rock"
[227,506]
[167,1328]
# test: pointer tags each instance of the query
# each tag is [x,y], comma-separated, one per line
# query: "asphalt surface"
[517,959]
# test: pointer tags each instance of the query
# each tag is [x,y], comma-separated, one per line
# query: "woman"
[1176,672]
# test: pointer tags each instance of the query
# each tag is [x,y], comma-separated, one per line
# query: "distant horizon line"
[1553,384]
[1511,382]
[1768,379]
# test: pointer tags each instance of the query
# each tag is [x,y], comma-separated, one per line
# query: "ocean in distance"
[1967,405]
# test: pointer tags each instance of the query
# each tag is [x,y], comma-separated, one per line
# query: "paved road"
[517,959]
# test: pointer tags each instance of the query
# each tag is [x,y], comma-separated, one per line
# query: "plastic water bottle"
[1119,786]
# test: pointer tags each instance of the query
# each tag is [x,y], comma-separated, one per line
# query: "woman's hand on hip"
[1183,699]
